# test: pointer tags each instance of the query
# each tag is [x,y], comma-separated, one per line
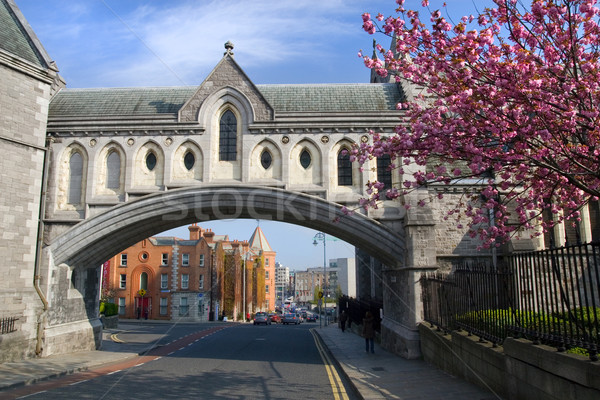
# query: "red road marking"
[106,369]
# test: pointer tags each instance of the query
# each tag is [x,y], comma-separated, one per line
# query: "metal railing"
[549,296]
[7,325]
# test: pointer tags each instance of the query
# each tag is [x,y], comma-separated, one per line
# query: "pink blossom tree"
[511,99]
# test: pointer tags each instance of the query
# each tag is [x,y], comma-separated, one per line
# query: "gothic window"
[189,160]
[113,171]
[228,137]
[305,159]
[384,174]
[344,167]
[150,161]
[75,178]
[266,159]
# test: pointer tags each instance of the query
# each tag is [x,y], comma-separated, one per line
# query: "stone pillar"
[403,308]
[72,320]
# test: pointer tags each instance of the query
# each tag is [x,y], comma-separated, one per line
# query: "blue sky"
[125,43]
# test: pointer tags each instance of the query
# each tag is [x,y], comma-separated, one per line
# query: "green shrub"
[578,350]
[109,309]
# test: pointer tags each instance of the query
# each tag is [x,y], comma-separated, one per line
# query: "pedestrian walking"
[343,319]
[368,332]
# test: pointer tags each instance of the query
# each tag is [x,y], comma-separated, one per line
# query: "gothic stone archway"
[75,255]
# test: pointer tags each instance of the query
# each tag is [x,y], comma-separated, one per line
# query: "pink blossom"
[506,97]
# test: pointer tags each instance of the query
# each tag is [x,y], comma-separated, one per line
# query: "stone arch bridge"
[127,163]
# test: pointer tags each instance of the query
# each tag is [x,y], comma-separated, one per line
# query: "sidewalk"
[384,375]
[374,376]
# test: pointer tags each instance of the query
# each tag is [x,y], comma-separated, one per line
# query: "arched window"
[150,161]
[344,167]
[144,281]
[228,137]
[266,159]
[384,174]
[75,178]
[113,170]
[189,160]
[305,159]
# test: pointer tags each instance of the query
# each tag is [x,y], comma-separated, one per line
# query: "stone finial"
[228,48]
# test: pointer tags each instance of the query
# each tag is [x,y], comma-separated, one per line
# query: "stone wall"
[24,110]
[517,370]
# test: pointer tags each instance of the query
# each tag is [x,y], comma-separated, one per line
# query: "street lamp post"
[321,236]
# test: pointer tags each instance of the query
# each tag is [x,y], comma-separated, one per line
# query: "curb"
[339,366]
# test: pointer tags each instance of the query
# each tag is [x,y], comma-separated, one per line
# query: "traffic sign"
[142,292]
[320,294]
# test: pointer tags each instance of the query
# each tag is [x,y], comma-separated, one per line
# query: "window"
[144,281]
[113,171]
[121,305]
[183,306]
[201,282]
[164,304]
[150,161]
[75,178]
[384,174]
[185,260]
[305,159]
[266,159]
[164,281]
[228,137]
[185,281]
[266,262]
[266,274]
[165,258]
[344,167]
[202,260]
[189,160]
[266,288]
[123,260]
[123,281]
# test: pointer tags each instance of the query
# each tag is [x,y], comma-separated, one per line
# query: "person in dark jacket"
[368,332]
[343,319]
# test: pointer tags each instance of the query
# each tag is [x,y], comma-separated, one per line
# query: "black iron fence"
[550,296]
[7,325]
[356,310]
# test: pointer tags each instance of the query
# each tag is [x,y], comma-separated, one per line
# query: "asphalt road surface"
[211,361]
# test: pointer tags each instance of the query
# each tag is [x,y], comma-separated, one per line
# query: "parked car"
[311,318]
[290,318]
[275,318]
[262,318]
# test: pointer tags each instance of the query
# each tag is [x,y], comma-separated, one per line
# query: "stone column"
[403,308]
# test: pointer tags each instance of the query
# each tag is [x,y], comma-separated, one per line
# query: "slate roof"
[15,34]
[258,241]
[367,97]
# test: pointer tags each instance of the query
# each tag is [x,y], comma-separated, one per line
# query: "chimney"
[208,235]
[194,232]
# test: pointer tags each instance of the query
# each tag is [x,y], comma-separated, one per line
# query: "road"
[211,361]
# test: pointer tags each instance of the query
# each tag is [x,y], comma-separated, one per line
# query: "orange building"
[198,279]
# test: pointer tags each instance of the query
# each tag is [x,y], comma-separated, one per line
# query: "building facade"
[282,283]
[343,275]
[201,278]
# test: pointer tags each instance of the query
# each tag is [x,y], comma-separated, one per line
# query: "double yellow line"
[337,387]
[115,338]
